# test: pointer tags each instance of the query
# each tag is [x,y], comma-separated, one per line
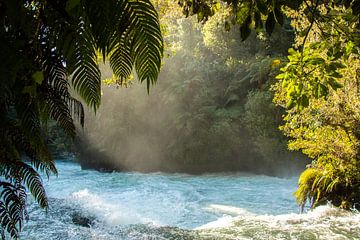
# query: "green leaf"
[290,104]
[334,84]
[71,4]
[321,90]
[31,90]
[336,65]
[316,61]
[304,101]
[336,75]
[200,16]
[281,76]
[291,51]
[349,47]
[38,77]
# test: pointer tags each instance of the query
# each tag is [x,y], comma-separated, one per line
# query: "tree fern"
[57,95]
[133,37]
[86,74]
[40,157]
[48,49]
[120,60]
[147,39]
[12,208]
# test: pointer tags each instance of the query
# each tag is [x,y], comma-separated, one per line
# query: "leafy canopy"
[48,50]
[317,85]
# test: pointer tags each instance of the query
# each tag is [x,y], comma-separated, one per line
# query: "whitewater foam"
[112,214]
[324,222]
[225,209]
[135,206]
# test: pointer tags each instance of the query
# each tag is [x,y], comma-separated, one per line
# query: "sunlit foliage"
[319,87]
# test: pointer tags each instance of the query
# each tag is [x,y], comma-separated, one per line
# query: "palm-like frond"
[40,157]
[12,208]
[86,78]
[147,42]
[24,173]
[133,37]
[59,104]
[120,60]
[57,108]
[55,51]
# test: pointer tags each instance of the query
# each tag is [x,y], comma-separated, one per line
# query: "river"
[179,206]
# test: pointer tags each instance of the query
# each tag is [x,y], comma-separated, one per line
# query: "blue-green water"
[178,206]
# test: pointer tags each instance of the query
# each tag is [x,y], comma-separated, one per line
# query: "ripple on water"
[177,206]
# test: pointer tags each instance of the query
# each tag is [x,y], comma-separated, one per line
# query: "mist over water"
[210,111]
[128,131]
[164,131]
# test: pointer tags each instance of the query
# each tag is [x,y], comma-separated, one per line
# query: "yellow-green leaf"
[38,77]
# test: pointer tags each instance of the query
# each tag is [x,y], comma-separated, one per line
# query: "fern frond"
[32,180]
[30,135]
[86,74]
[56,106]
[28,114]
[12,208]
[133,37]
[57,86]
[147,42]
[55,74]
[104,30]
[40,157]
[121,60]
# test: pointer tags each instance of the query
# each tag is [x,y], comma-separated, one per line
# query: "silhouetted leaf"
[258,21]
[245,29]
[227,26]
[279,16]
[270,24]
[356,7]
[261,5]
[294,4]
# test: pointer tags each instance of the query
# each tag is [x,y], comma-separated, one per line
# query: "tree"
[265,15]
[316,86]
[319,87]
[50,49]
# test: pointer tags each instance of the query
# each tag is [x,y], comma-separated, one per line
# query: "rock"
[83,221]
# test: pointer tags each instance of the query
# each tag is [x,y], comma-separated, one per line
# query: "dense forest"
[210,111]
[241,84]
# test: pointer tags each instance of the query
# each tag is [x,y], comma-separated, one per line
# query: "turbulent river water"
[178,206]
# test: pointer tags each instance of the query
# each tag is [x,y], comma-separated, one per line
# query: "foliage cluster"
[48,50]
[319,87]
